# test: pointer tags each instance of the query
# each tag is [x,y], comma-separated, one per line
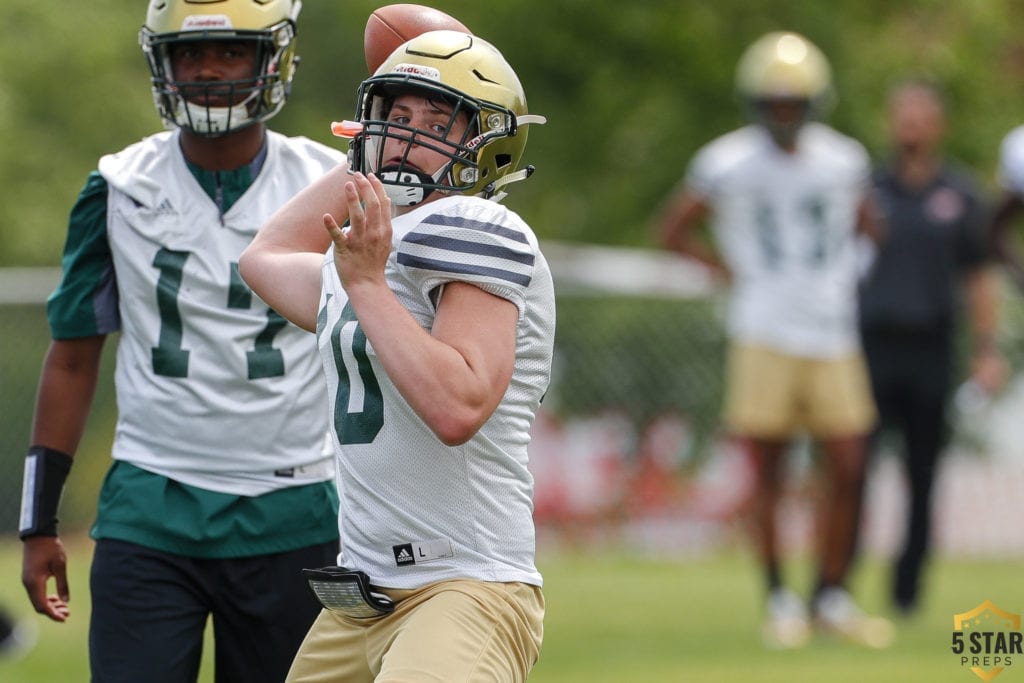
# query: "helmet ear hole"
[502,160]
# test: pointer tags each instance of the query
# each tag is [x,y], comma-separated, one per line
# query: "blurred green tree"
[630,90]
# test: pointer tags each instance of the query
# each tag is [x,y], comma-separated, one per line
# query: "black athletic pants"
[149,611]
[911,377]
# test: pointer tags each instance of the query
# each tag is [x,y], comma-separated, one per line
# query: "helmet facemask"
[472,78]
[254,99]
[461,173]
[782,117]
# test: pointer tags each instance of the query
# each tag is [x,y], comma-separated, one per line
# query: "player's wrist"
[46,470]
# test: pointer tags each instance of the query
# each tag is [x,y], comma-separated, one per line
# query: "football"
[391,25]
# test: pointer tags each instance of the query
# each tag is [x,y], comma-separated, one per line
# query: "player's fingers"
[37,596]
[356,214]
[338,235]
[371,206]
[378,208]
[34,575]
[57,609]
[382,196]
[52,606]
[370,202]
[60,576]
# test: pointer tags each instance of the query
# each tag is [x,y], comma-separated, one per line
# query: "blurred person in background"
[935,260]
[788,197]
[1010,205]
[222,486]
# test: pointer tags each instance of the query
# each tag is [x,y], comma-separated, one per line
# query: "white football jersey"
[414,510]
[1011,161]
[200,354]
[785,224]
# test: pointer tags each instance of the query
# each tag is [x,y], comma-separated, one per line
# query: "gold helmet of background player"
[270,24]
[784,69]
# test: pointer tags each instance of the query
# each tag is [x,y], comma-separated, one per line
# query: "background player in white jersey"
[436,326]
[221,488]
[787,195]
[1011,203]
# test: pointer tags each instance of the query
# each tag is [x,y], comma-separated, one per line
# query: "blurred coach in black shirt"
[934,261]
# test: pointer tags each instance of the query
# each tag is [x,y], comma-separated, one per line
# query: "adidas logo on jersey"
[419,552]
[403,554]
[164,208]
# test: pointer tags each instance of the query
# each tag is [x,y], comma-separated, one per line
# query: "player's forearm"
[983,307]
[453,390]
[288,281]
[870,220]
[677,230]
[988,367]
[298,225]
[282,263]
[64,398]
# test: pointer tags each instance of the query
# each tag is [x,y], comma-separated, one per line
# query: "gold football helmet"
[269,23]
[784,68]
[473,77]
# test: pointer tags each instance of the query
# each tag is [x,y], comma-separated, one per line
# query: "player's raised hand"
[361,249]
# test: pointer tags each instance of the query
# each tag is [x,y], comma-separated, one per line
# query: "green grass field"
[615,618]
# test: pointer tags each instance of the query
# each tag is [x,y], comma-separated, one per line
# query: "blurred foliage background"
[630,90]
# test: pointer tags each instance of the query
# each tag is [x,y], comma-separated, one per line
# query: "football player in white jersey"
[435,315]
[787,197]
[221,488]
[1011,203]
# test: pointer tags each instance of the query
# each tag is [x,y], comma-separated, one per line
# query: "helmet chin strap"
[213,120]
[409,187]
[398,191]
[406,188]
[491,191]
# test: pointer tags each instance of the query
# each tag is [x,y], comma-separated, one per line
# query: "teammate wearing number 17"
[788,196]
[435,314]
[222,487]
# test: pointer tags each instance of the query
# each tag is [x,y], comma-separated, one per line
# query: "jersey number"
[814,219]
[358,403]
[170,359]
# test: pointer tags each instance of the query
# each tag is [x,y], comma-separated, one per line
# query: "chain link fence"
[627,426]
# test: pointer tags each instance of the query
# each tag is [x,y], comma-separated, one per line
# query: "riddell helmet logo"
[428,72]
[986,639]
[202,22]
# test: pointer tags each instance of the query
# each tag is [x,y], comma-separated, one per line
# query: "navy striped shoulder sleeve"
[481,243]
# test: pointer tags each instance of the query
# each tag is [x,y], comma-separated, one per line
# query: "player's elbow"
[457,410]
[248,264]
[455,427]
[453,440]
[454,432]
